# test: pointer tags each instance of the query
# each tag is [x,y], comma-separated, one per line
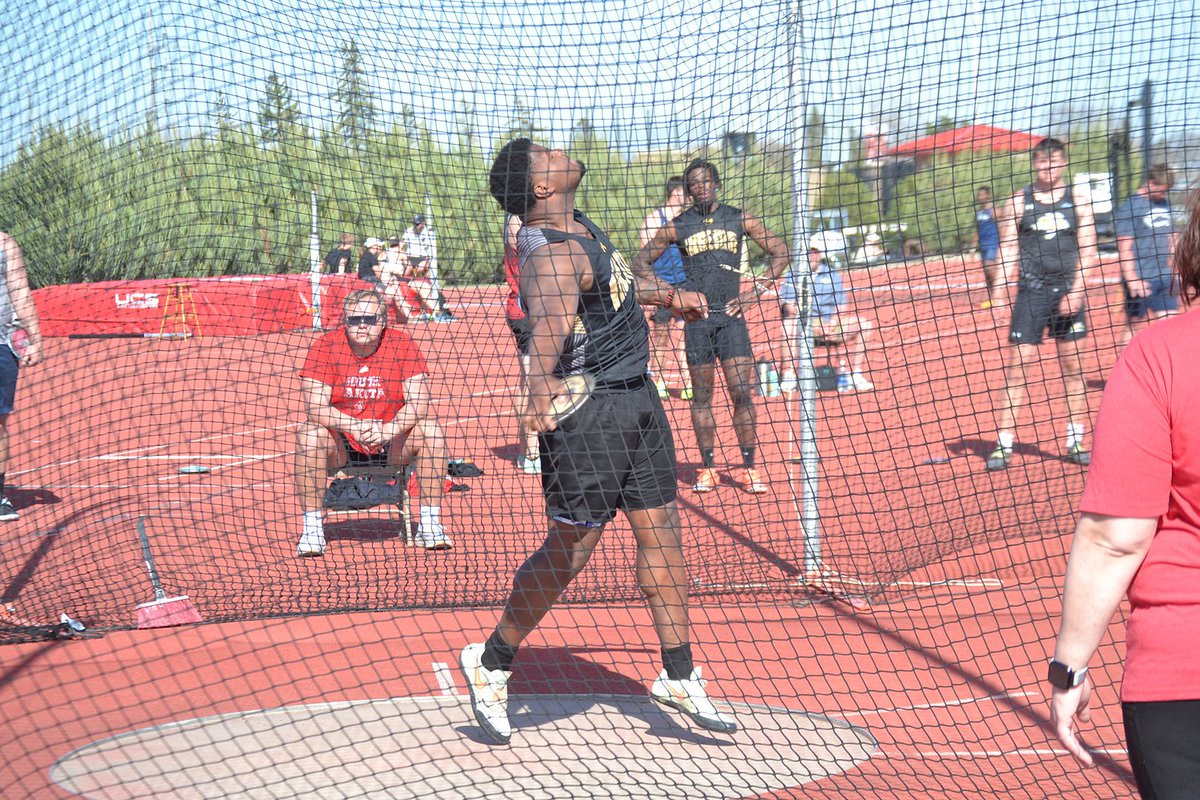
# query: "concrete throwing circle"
[564,745]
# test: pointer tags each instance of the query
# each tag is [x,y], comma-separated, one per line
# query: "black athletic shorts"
[614,452]
[1162,741]
[522,331]
[1036,312]
[718,337]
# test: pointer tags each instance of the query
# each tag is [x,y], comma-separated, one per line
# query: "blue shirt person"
[1146,246]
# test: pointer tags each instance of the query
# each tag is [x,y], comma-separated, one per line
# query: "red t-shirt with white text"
[1146,463]
[365,388]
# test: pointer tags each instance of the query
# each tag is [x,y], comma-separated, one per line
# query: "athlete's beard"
[704,208]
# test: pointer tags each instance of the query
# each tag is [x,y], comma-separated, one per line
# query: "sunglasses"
[365,319]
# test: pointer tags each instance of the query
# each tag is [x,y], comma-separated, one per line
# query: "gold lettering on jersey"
[620,279]
[706,240]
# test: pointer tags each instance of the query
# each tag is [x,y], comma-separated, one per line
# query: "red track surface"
[944,669]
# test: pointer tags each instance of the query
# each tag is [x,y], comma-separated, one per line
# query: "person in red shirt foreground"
[367,404]
[1139,533]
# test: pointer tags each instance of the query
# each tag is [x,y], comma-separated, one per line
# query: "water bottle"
[773,389]
[843,376]
[764,377]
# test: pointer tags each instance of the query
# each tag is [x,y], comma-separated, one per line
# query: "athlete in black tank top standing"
[711,237]
[1047,232]
[615,451]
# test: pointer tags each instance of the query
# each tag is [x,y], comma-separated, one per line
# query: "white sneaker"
[861,384]
[689,697]
[489,693]
[434,538]
[312,541]
[788,383]
[530,466]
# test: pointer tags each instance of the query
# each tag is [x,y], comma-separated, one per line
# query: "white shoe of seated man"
[431,535]
[312,540]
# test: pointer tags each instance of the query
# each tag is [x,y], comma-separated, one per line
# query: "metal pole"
[799,78]
[1147,119]
[314,265]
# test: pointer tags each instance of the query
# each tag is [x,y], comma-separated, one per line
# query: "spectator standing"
[711,236]
[666,340]
[368,262]
[1145,246]
[337,261]
[1139,535]
[987,240]
[418,246]
[16,303]
[1047,232]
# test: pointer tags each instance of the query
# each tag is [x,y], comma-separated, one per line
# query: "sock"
[1074,436]
[1005,438]
[678,662]
[497,654]
[430,517]
[312,521]
[706,458]
[2,485]
[748,457]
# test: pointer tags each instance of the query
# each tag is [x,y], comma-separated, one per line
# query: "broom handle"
[159,594]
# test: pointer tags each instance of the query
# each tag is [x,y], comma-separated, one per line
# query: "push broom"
[162,611]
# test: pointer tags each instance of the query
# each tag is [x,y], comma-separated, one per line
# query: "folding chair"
[373,487]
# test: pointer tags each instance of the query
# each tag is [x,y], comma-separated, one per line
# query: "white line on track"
[963,701]
[444,678]
[201,456]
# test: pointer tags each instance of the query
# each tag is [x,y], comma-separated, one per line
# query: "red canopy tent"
[970,137]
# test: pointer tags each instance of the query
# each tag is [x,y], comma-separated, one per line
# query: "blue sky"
[648,74]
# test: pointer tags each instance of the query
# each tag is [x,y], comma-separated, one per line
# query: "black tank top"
[1048,235]
[712,253]
[610,338]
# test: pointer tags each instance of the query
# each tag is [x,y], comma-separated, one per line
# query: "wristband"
[670,298]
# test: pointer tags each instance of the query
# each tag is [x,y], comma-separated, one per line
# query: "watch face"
[1061,676]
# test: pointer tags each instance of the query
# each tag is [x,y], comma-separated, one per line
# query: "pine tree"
[354,99]
[278,111]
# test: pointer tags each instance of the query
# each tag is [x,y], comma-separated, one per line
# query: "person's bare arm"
[317,407]
[1010,251]
[1105,554]
[650,226]
[1089,255]
[652,290]
[663,238]
[552,277]
[776,248]
[1127,262]
[22,299]
[416,408]
[772,243]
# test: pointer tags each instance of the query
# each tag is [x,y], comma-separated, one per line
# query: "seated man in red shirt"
[367,404]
